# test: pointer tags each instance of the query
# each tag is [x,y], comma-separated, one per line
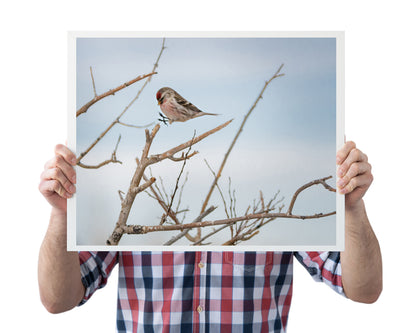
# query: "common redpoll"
[177,108]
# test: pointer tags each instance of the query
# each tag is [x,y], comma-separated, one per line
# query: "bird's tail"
[207,114]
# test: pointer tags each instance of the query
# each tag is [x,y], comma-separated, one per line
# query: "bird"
[177,108]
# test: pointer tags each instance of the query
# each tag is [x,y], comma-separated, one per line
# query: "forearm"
[361,261]
[59,273]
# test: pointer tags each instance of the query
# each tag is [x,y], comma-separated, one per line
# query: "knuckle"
[355,153]
[355,168]
[57,187]
[352,184]
[54,185]
[55,173]
[66,183]
[58,159]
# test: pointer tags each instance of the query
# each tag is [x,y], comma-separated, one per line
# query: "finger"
[354,155]
[66,153]
[58,162]
[359,182]
[57,174]
[356,169]
[50,187]
[344,152]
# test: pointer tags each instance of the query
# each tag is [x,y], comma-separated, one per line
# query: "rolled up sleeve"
[95,267]
[323,267]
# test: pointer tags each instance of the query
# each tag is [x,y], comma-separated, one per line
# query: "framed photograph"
[206,141]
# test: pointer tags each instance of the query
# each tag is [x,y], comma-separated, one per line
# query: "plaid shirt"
[204,291]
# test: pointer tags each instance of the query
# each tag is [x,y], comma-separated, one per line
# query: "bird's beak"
[159,102]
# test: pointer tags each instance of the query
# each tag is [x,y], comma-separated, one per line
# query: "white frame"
[340,105]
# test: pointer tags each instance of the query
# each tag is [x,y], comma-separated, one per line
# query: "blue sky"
[288,140]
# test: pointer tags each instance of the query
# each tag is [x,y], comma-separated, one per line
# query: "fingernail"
[74,161]
[338,161]
[340,172]
[72,189]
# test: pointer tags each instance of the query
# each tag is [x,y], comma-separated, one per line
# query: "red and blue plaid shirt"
[205,291]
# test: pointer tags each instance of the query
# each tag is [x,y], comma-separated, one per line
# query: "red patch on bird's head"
[158,95]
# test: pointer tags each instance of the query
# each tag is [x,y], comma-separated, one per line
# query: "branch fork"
[142,163]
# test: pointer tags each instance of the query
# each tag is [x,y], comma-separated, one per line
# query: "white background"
[380,108]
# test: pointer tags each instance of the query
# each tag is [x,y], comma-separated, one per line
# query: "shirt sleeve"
[323,267]
[96,267]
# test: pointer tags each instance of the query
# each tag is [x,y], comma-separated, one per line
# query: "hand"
[58,178]
[354,174]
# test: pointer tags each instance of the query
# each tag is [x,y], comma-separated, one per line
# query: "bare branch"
[199,242]
[183,233]
[82,155]
[85,108]
[139,229]
[184,159]
[142,163]
[97,166]
[218,174]
[249,223]
[113,159]
[169,153]
[93,83]
[163,193]
[181,192]
[135,126]
[141,188]
[304,187]
[241,237]
[219,189]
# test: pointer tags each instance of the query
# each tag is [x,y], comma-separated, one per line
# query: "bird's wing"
[183,102]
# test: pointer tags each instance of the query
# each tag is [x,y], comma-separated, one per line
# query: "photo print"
[206,141]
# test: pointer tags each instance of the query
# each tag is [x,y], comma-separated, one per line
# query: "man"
[206,291]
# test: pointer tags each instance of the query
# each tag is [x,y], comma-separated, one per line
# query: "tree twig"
[183,233]
[144,162]
[113,159]
[218,174]
[85,152]
[218,188]
[321,181]
[135,126]
[141,188]
[199,242]
[96,98]
[246,229]
[93,83]
[141,229]
[184,159]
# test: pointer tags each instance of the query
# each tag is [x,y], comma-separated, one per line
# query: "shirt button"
[201,265]
[199,309]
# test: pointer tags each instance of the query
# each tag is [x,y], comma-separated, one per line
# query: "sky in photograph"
[289,139]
